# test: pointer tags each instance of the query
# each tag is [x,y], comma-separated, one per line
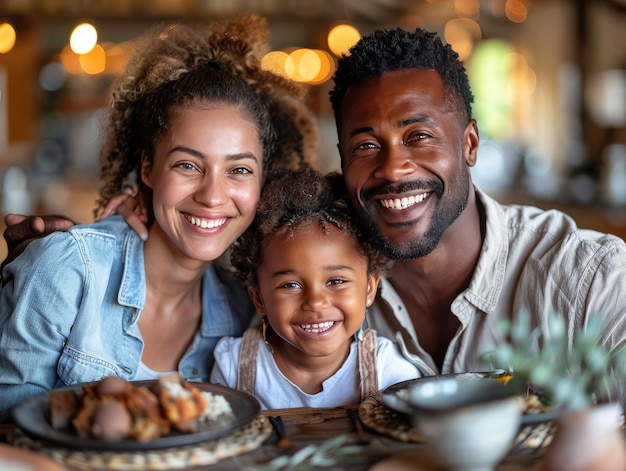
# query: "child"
[311,275]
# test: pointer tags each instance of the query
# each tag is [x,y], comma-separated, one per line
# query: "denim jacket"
[70,305]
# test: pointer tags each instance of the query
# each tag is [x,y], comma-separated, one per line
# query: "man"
[402,106]
[407,141]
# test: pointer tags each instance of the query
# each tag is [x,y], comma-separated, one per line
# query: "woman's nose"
[212,191]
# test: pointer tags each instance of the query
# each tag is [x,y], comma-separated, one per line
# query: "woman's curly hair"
[162,58]
[390,50]
[292,199]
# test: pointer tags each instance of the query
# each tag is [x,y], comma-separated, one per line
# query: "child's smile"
[315,300]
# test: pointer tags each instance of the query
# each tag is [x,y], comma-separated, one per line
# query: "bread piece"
[63,407]
[182,403]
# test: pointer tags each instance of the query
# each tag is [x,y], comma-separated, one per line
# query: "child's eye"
[337,281]
[290,285]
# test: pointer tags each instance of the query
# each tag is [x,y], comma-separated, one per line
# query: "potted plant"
[580,379]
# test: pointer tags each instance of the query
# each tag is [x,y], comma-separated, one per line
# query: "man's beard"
[446,212]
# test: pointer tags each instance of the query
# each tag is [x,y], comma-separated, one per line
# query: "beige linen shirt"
[531,260]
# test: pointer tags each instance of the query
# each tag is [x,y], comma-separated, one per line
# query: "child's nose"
[315,299]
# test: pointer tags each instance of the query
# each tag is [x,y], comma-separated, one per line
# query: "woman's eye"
[185,166]
[241,170]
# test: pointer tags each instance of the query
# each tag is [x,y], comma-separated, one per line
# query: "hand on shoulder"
[22,230]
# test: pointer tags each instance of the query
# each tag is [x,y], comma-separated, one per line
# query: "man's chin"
[404,250]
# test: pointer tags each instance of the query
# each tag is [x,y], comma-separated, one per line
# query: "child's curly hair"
[292,199]
[167,53]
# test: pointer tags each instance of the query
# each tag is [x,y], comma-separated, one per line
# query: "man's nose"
[394,163]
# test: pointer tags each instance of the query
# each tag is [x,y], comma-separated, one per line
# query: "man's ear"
[146,168]
[471,140]
[257,299]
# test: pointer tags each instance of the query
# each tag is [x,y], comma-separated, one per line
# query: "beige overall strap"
[246,370]
[368,371]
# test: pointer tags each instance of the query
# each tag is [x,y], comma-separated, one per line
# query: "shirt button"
[194,372]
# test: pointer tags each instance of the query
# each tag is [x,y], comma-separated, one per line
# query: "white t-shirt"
[144,372]
[274,391]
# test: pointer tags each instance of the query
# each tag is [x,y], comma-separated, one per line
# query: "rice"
[216,408]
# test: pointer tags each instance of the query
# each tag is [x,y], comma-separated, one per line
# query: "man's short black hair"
[390,50]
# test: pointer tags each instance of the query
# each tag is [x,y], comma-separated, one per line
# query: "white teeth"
[206,224]
[404,202]
[317,328]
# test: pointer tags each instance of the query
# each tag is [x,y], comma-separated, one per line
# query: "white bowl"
[469,424]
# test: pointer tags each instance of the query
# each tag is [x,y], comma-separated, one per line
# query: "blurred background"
[549,78]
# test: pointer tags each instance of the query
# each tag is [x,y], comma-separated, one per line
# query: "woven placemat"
[376,416]
[246,439]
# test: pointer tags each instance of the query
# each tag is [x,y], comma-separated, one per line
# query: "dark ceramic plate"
[31,416]
[394,396]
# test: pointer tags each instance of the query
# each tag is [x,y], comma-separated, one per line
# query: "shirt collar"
[488,278]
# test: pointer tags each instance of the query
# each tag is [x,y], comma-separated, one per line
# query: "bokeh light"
[341,38]
[70,61]
[516,11]
[313,66]
[116,57]
[467,7]
[83,38]
[461,33]
[327,67]
[52,77]
[279,63]
[307,64]
[94,62]
[7,37]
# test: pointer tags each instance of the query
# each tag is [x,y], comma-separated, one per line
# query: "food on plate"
[63,407]
[115,409]
[532,404]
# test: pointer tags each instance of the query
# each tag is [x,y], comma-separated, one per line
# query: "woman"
[98,300]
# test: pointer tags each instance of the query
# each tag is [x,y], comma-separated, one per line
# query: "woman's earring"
[264,325]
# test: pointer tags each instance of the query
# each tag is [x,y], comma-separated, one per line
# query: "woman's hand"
[132,212]
[22,230]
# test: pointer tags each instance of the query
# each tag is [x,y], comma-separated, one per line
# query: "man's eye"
[366,146]
[418,136]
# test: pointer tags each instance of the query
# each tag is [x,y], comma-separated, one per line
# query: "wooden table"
[305,426]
